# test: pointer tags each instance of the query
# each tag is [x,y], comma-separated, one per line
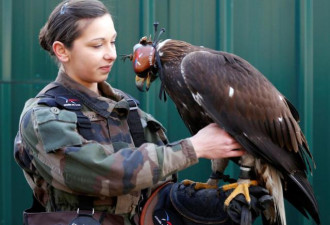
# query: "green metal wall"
[287,40]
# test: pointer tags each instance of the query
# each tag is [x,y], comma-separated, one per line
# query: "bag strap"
[84,126]
[134,123]
[134,120]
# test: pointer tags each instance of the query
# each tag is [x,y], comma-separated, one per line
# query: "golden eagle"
[213,86]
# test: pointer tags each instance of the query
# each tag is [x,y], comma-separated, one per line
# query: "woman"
[63,159]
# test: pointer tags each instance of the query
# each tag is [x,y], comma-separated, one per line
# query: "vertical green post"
[305,76]
[5,116]
[6,155]
[305,73]
[224,12]
[6,34]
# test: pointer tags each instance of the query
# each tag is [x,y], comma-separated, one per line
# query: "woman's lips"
[106,68]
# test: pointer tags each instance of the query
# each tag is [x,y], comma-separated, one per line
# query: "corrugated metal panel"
[5,118]
[321,106]
[285,40]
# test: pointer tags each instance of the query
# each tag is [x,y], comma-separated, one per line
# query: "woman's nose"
[111,54]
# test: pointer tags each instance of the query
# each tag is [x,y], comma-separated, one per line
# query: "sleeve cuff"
[189,151]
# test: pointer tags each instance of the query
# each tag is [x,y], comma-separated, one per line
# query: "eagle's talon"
[198,185]
[187,182]
[241,187]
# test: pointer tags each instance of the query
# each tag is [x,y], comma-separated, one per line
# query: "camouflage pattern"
[60,164]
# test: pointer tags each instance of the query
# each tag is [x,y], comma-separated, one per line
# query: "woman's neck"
[91,86]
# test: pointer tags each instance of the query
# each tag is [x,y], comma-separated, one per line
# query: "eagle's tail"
[272,181]
[299,192]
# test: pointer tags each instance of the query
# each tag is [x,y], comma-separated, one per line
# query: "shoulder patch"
[68,102]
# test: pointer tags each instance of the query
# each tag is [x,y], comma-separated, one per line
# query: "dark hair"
[63,22]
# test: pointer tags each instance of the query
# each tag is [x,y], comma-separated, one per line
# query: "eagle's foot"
[241,187]
[199,185]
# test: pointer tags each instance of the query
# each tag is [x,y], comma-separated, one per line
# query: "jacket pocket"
[56,128]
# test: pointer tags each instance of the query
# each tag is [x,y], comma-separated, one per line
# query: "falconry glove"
[176,203]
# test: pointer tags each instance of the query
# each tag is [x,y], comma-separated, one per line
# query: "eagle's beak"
[148,83]
[139,82]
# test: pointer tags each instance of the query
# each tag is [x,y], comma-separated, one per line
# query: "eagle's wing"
[243,102]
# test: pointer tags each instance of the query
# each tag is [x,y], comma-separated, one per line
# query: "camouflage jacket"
[60,164]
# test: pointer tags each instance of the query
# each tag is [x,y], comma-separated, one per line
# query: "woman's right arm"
[69,162]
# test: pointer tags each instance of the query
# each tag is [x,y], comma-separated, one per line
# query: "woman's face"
[92,54]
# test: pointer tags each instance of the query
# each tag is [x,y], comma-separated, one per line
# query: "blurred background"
[287,40]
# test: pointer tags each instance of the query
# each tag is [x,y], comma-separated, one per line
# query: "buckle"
[133,105]
[78,212]
[84,218]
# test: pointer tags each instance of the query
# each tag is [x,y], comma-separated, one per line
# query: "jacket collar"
[103,105]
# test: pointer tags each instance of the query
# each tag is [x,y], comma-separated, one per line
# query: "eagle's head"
[144,58]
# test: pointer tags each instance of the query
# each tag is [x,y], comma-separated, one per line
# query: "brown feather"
[277,127]
[292,135]
[297,132]
[285,134]
[175,50]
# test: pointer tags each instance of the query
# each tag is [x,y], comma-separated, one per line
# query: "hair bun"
[43,39]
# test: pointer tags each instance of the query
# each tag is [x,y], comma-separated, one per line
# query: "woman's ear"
[61,51]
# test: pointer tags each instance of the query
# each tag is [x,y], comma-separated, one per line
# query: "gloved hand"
[207,205]
[177,203]
[241,212]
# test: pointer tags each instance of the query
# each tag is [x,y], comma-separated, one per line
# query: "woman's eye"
[113,42]
[97,46]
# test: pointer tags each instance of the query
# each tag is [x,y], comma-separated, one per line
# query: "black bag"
[84,218]
[60,218]
[36,215]
[71,218]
